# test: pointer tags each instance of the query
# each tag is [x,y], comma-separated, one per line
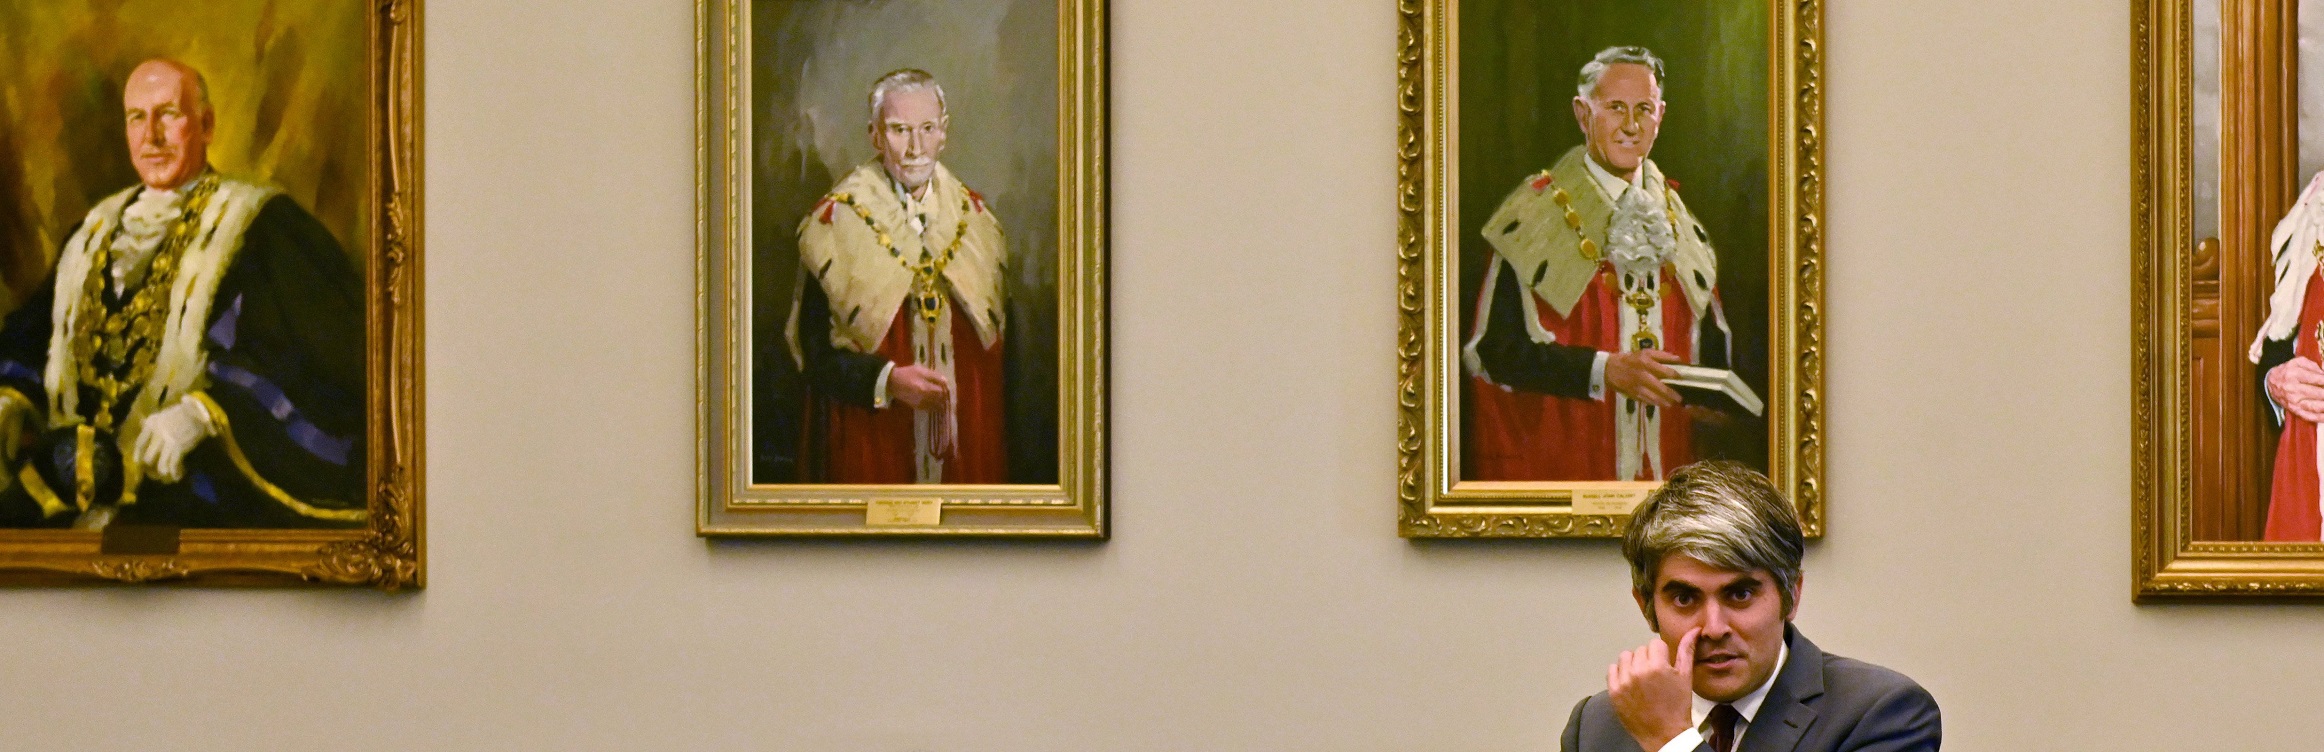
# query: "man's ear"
[1582,114]
[1799,592]
[1646,608]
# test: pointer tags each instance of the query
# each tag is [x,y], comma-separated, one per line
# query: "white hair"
[907,79]
[1596,67]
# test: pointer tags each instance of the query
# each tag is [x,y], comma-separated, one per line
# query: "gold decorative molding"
[136,570]
[1432,502]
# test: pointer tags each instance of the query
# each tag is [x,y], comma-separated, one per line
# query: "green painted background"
[1518,64]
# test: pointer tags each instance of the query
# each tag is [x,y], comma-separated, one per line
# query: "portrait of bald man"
[195,357]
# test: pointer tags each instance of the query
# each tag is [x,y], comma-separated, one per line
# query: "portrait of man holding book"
[1600,343]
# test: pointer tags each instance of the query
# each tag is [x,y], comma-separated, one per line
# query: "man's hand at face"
[920,387]
[2297,385]
[1653,691]
[1639,374]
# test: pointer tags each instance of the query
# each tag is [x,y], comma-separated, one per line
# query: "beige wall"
[1255,596]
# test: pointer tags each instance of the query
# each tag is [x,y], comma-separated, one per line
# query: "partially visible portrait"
[2229,172]
[1609,245]
[906,250]
[194,379]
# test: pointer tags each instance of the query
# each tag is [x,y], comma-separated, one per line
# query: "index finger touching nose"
[1686,648]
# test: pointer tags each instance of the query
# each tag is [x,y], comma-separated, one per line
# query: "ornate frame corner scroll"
[1432,501]
[2180,474]
[389,553]
[729,503]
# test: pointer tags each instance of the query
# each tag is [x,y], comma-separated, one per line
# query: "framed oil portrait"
[210,267]
[1611,257]
[902,268]
[2227,232]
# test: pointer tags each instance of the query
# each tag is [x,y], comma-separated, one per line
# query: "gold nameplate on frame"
[903,513]
[1609,500]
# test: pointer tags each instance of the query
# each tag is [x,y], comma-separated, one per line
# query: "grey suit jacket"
[1820,703]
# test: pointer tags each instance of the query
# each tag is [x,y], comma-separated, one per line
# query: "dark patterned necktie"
[1722,723]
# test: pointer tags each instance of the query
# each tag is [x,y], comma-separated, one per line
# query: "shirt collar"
[1613,186]
[1748,706]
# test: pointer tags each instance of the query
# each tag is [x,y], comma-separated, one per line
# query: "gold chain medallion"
[129,338]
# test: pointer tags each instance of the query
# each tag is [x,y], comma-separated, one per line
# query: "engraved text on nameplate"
[1608,500]
[903,513]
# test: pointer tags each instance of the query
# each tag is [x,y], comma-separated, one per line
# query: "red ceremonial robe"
[865,445]
[1517,435]
[2292,510]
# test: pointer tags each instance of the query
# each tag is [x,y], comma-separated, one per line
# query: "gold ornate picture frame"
[2219,508]
[844,267]
[301,238]
[1499,443]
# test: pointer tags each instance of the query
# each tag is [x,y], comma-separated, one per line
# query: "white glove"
[170,433]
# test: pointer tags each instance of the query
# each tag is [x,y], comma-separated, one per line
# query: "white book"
[1716,388]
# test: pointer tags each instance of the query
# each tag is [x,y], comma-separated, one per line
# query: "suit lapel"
[1785,716]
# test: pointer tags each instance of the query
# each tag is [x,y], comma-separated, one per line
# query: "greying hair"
[907,79]
[1596,68]
[1723,514]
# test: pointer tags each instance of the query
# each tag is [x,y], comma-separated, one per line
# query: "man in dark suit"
[1715,566]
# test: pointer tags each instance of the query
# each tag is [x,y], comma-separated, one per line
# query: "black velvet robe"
[285,351]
